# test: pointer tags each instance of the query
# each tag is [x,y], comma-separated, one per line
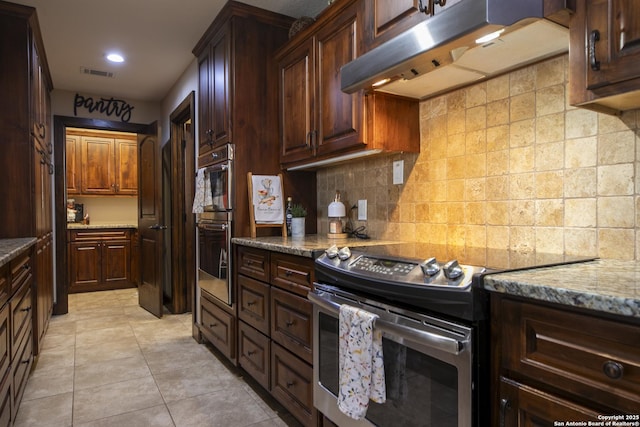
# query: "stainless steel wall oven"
[215,226]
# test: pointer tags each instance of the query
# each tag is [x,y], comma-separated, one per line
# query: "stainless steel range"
[433,315]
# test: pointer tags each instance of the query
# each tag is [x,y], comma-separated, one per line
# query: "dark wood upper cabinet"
[317,120]
[604,55]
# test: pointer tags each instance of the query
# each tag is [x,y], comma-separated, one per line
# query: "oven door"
[214,270]
[427,363]
[219,181]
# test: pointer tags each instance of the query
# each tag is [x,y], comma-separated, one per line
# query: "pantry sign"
[108,106]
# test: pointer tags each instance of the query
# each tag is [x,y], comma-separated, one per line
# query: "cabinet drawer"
[291,323]
[21,271]
[253,262]
[253,353]
[292,384]
[5,343]
[20,318]
[253,303]
[218,326]
[292,273]
[5,400]
[580,355]
[21,366]
[102,234]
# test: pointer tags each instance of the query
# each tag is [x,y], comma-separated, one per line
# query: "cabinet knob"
[290,384]
[251,352]
[290,323]
[613,370]
[250,303]
[288,273]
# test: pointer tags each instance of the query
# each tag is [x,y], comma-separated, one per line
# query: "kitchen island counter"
[310,246]
[9,248]
[603,285]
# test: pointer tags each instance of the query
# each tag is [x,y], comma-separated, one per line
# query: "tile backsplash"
[506,163]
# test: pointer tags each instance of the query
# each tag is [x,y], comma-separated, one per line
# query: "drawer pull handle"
[290,323]
[25,362]
[213,325]
[26,309]
[26,266]
[250,303]
[251,352]
[613,370]
[594,37]
[288,273]
[290,384]
[505,405]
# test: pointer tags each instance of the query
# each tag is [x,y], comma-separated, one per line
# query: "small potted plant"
[298,214]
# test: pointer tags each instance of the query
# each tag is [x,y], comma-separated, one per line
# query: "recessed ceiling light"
[114,57]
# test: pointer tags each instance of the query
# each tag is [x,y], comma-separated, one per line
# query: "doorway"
[184,286]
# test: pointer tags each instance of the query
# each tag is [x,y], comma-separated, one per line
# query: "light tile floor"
[108,362]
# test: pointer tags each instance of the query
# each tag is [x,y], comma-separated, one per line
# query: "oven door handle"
[449,345]
[213,226]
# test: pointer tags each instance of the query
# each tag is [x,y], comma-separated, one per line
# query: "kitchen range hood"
[445,51]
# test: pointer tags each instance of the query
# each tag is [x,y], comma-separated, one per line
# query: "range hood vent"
[441,53]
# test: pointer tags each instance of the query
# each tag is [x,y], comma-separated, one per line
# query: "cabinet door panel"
[98,169]
[205,132]
[126,162]
[220,53]
[340,114]
[116,262]
[617,50]
[73,164]
[525,406]
[84,264]
[297,100]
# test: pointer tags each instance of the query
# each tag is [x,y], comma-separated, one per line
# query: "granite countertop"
[604,285]
[10,248]
[310,246]
[79,226]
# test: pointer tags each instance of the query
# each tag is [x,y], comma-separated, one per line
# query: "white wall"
[187,83]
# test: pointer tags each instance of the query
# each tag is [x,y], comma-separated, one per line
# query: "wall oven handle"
[214,226]
[446,344]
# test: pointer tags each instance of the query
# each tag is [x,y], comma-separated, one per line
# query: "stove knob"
[332,251]
[344,253]
[452,270]
[430,267]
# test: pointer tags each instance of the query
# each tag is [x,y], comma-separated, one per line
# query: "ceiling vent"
[99,73]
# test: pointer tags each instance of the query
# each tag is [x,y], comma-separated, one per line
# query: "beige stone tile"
[476,213]
[110,371]
[476,141]
[456,145]
[617,147]
[112,321]
[113,399]
[498,213]
[549,213]
[455,190]
[476,118]
[522,240]
[581,152]
[549,73]
[522,133]
[608,123]
[580,182]
[498,112]
[497,238]
[522,81]
[156,416]
[53,359]
[549,240]
[53,341]
[498,138]
[581,242]
[616,243]
[580,212]
[550,156]
[220,408]
[497,188]
[476,95]
[522,159]
[475,189]
[550,128]
[455,213]
[66,328]
[456,122]
[549,184]
[53,411]
[580,123]
[193,381]
[498,163]
[522,212]
[456,101]
[162,359]
[616,180]
[523,106]
[616,212]
[550,100]
[94,337]
[456,168]
[498,88]
[109,350]
[49,383]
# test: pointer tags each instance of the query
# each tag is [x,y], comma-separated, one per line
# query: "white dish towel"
[360,361]
[202,197]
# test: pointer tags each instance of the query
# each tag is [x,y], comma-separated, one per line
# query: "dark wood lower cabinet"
[556,364]
[292,384]
[218,325]
[100,260]
[254,350]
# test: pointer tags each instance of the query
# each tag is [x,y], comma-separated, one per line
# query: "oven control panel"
[383,266]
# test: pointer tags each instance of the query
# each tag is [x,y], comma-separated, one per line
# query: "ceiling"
[156,38]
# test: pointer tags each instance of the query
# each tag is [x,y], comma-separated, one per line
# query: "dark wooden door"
[150,222]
